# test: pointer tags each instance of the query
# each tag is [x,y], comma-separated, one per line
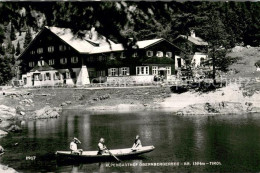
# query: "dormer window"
[149,53]
[62,47]
[63,60]
[112,56]
[74,59]
[40,50]
[51,49]
[159,54]
[32,52]
[168,54]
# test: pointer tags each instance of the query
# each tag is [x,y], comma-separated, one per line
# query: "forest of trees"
[221,24]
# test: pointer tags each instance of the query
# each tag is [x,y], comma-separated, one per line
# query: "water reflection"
[232,140]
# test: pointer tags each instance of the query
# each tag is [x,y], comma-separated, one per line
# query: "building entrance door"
[162,73]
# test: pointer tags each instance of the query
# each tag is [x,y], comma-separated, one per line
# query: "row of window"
[47,76]
[74,60]
[135,54]
[50,49]
[149,53]
[159,54]
[140,70]
[156,69]
[123,71]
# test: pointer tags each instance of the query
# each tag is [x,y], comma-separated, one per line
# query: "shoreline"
[123,99]
[28,101]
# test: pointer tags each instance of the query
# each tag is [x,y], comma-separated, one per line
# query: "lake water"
[233,142]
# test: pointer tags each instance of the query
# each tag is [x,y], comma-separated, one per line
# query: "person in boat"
[137,143]
[74,148]
[101,147]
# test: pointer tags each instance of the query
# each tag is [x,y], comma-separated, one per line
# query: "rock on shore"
[47,112]
[2,133]
[212,108]
[7,112]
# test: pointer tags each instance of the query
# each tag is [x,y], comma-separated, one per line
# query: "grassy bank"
[85,98]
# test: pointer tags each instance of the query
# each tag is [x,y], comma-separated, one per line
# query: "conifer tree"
[13,50]
[1,50]
[18,49]
[12,33]
[2,35]
[28,38]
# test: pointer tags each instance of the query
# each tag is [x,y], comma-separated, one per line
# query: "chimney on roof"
[192,33]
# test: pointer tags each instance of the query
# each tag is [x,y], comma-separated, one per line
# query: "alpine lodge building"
[56,56]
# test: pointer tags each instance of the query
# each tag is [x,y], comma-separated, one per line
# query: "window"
[124,71]
[149,53]
[32,52]
[112,56]
[100,58]
[47,76]
[74,59]
[168,54]
[92,73]
[36,77]
[90,59]
[40,77]
[135,54]
[159,54]
[51,49]
[155,70]
[31,64]
[51,61]
[40,50]
[63,60]
[101,73]
[56,76]
[113,72]
[40,63]
[168,70]
[67,75]
[123,55]
[179,62]
[62,47]
[142,70]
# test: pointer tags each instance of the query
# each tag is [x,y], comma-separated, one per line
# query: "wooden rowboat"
[92,155]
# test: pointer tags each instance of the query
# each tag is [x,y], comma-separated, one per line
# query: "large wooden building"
[57,56]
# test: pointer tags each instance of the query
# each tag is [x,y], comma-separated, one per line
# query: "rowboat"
[92,155]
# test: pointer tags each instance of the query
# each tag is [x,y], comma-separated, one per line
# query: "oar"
[113,155]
